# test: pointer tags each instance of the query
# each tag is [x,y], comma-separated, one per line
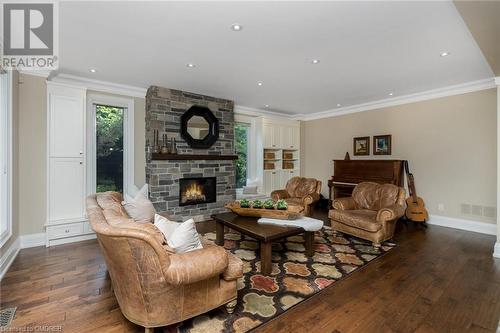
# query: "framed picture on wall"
[361,146]
[382,144]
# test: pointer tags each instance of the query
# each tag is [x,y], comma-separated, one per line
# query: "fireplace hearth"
[193,191]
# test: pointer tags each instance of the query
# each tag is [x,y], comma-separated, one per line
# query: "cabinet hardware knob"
[66,231]
[81,162]
[81,153]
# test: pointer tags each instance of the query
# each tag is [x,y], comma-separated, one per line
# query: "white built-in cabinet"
[280,137]
[66,190]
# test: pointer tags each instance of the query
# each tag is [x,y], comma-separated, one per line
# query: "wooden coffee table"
[266,234]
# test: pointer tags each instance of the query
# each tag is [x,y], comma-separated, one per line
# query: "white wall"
[450,143]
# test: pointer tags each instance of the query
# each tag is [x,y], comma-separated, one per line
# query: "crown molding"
[102,86]
[41,73]
[404,99]
[253,112]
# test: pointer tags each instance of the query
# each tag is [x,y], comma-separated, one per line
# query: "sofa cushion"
[362,219]
[375,196]
[300,187]
[139,208]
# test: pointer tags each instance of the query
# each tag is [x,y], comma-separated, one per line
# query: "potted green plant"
[269,204]
[257,203]
[244,203]
[281,205]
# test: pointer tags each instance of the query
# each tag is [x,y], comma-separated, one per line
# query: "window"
[241,138]
[110,163]
[5,156]
[109,148]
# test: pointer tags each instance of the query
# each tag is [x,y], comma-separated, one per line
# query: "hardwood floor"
[436,280]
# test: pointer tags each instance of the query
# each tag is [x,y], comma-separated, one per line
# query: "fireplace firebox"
[193,191]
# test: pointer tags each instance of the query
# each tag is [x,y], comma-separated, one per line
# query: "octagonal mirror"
[199,127]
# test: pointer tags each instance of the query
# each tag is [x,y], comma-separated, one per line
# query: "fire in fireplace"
[194,191]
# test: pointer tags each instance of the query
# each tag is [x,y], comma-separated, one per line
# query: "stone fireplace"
[164,108]
[199,190]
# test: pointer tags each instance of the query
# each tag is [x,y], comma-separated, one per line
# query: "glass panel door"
[241,132]
[109,148]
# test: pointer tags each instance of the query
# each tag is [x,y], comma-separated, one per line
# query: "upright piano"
[348,173]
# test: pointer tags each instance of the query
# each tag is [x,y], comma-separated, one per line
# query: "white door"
[66,188]
[66,123]
[268,182]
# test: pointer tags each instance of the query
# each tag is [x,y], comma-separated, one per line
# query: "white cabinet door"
[272,181]
[276,178]
[273,136]
[66,126]
[66,188]
[277,136]
[294,137]
[291,137]
[286,175]
[268,136]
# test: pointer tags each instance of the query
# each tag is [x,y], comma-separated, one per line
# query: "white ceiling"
[367,49]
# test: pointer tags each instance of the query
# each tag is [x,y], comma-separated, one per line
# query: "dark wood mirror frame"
[213,127]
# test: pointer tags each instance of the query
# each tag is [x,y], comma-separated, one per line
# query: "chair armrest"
[234,268]
[279,194]
[390,213]
[197,265]
[344,204]
[310,198]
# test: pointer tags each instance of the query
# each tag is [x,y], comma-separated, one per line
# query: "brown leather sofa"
[154,285]
[371,213]
[300,191]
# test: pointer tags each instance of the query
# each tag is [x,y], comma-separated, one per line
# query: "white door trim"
[128,139]
[7,168]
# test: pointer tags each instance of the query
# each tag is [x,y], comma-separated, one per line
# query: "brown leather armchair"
[371,213]
[154,285]
[300,191]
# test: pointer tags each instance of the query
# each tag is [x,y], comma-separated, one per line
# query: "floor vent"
[6,316]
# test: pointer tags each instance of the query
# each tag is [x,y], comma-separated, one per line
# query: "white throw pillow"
[140,208]
[182,237]
[166,226]
[134,191]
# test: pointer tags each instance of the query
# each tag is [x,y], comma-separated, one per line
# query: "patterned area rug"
[294,278]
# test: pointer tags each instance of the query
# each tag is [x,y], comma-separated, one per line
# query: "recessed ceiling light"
[236,27]
[92,70]
[339,105]
[390,94]
[267,105]
[444,54]
[315,61]
[190,65]
[259,84]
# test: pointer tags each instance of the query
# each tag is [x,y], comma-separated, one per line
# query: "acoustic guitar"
[415,209]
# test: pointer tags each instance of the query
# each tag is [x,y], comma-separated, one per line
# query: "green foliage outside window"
[241,147]
[109,150]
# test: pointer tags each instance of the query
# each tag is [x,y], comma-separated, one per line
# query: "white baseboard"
[71,239]
[8,256]
[462,224]
[32,240]
[496,251]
